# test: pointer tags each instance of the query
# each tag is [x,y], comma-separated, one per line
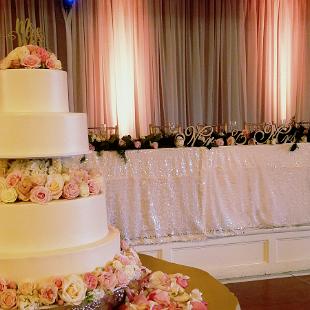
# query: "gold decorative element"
[26,33]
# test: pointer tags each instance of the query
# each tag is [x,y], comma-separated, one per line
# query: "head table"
[185,194]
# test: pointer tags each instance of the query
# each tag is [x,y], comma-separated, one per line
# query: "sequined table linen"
[193,193]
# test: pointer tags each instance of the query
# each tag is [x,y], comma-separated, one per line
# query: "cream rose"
[84,190]
[23,188]
[8,299]
[5,64]
[26,288]
[73,290]
[2,184]
[55,184]
[8,195]
[22,52]
[159,280]
[38,179]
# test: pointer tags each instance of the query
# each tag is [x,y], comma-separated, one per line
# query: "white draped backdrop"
[136,62]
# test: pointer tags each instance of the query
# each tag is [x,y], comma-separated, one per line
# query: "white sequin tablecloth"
[194,193]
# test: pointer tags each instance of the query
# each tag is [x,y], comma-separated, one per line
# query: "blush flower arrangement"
[142,288]
[43,180]
[30,57]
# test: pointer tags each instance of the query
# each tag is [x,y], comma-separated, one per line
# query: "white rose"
[73,290]
[97,294]
[53,57]
[66,177]
[28,302]
[8,195]
[132,272]
[22,52]
[117,265]
[84,190]
[183,297]
[196,295]
[5,64]
[13,55]
[58,65]
[57,165]
[3,185]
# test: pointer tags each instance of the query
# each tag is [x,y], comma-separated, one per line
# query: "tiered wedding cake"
[63,236]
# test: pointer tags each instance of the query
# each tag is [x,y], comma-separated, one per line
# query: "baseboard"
[250,256]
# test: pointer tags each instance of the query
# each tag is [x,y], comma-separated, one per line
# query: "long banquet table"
[190,194]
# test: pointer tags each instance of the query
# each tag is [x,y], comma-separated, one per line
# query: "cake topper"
[27,34]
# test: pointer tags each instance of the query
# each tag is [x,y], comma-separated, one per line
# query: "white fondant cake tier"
[27,227]
[29,90]
[32,135]
[34,267]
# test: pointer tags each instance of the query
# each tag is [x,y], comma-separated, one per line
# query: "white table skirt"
[194,193]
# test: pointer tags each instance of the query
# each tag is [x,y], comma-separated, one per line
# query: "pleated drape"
[136,62]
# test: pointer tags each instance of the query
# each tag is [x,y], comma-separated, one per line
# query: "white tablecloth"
[194,193]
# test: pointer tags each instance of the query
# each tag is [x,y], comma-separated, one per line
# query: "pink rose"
[48,294]
[93,186]
[8,299]
[140,300]
[154,145]
[183,282]
[41,53]
[3,285]
[161,297]
[50,63]
[137,144]
[71,190]
[58,282]
[90,280]
[31,61]
[40,194]
[124,245]
[199,305]
[79,175]
[91,147]
[13,178]
[219,142]
[108,280]
[123,259]
[121,277]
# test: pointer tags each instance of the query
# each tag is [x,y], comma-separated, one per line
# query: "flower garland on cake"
[43,180]
[143,288]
